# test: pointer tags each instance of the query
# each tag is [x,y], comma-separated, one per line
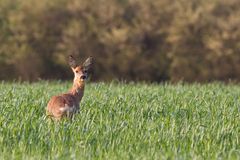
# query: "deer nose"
[83,77]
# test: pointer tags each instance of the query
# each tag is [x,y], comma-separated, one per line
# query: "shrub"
[151,40]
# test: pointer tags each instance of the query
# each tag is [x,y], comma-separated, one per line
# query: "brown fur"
[65,105]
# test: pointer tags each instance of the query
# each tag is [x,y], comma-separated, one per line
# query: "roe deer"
[65,105]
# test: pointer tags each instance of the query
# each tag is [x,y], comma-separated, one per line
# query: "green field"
[122,121]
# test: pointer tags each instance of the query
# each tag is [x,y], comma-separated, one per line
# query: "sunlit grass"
[122,121]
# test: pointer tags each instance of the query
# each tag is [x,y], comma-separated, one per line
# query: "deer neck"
[77,89]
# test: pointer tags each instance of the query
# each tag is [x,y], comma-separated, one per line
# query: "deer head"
[81,71]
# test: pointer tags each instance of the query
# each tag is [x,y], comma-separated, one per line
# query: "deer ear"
[88,63]
[72,61]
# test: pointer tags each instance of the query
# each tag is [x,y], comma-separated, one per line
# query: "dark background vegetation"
[151,40]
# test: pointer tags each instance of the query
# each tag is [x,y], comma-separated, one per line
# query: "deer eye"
[76,71]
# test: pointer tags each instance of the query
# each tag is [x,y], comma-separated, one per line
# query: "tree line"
[150,40]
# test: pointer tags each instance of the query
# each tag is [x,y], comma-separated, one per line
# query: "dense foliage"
[151,40]
[122,121]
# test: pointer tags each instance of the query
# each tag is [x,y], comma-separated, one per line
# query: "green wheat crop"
[122,121]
